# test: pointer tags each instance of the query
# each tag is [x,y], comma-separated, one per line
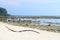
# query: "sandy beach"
[6,34]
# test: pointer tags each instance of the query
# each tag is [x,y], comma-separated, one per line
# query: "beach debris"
[22,30]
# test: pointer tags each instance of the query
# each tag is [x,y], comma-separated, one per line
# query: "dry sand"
[6,34]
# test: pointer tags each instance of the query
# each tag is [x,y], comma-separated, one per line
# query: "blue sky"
[32,7]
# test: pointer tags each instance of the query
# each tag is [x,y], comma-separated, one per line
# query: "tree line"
[3,12]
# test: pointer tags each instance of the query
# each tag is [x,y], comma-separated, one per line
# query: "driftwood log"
[22,30]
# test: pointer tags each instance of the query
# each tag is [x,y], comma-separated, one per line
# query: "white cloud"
[18,3]
[40,1]
[11,3]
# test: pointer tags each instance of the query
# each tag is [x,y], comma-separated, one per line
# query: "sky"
[32,7]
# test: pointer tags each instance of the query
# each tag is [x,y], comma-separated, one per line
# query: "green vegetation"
[3,12]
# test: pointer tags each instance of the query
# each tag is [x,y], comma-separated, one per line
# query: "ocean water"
[42,20]
[52,21]
[45,20]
